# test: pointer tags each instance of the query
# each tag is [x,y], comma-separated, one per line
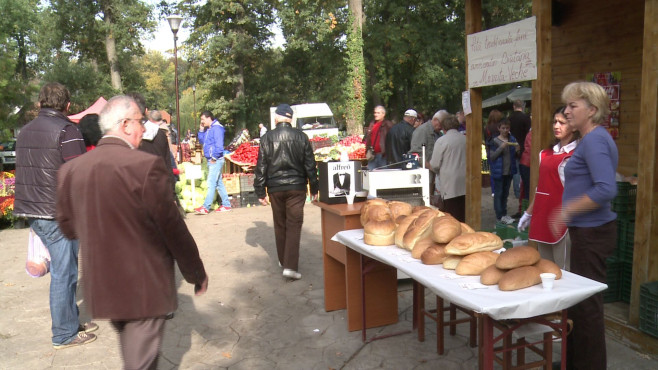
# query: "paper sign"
[503,54]
[471,286]
[466,102]
[194,172]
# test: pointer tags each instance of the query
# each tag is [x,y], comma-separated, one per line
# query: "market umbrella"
[520,93]
[94,108]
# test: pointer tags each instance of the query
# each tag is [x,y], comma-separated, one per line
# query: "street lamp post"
[194,99]
[174,24]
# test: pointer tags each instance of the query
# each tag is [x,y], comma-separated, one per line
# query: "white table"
[492,303]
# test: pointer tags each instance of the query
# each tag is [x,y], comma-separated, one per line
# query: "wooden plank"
[645,257]
[473,23]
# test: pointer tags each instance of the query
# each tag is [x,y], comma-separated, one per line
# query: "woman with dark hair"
[548,194]
[589,189]
[90,130]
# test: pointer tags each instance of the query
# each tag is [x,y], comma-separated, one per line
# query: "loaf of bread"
[491,275]
[402,228]
[545,265]
[379,232]
[519,278]
[475,263]
[418,229]
[421,246]
[518,257]
[445,228]
[434,255]
[399,208]
[466,229]
[419,208]
[371,203]
[451,262]
[478,241]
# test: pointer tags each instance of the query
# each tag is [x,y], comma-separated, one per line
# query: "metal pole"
[194,99]
[180,154]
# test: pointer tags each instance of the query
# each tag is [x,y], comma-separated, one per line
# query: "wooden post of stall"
[542,113]
[474,130]
[646,215]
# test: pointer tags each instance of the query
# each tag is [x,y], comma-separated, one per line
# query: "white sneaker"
[292,274]
[507,220]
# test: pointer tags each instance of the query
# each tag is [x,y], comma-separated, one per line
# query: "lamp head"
[174,22]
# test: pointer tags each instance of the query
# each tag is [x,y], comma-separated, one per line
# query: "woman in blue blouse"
[589,189]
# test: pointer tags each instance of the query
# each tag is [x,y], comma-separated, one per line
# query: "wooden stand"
[342,273]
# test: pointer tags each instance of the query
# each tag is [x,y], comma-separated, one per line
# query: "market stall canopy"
[95,108]
[520,93]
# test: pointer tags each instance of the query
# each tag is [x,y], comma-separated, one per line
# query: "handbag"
[38,257]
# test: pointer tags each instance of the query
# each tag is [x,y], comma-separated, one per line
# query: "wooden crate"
[231,183]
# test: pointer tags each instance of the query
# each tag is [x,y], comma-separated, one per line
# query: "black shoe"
[517,215]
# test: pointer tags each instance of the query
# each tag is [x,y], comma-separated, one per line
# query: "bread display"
[545,265]
[475,263]
[445,228]
[399,208]
[379,232]
[518,257]
[478,241]
[519,278]
[421,246]
[451,262]
[466,229]
[418,229]
[434,255]
[491,275]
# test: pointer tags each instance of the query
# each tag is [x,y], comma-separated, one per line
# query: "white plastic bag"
[38,258]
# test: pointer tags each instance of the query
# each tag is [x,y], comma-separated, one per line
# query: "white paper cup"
[350,197]
[547,280]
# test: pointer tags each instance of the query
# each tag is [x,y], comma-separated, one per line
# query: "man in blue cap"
[285,166]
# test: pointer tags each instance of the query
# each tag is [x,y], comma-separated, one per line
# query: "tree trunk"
[356,99]
[110,48]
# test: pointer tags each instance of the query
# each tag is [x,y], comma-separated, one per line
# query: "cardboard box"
[338,179]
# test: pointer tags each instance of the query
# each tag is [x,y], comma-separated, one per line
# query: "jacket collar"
[49,112]
[114,140]
[283,124]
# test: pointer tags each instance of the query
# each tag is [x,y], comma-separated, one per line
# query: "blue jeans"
[215,184]
[379,161]
[63,279]
[501,192]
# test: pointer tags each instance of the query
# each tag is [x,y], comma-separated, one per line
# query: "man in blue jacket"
[211,135]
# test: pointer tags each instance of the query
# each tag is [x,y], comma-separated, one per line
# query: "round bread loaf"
[376,212]
[475,263]
[478,241]
[519,278]
[545,265]
[379,232]
[445,228]
[421,246]
[451,262]
[518,257]
[466,229]
[491,275]
[435,254]
[399,208]
[367,205]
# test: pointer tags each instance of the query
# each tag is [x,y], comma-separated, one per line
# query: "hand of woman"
[557,221]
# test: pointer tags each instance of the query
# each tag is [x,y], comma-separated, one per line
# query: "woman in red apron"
[548,195]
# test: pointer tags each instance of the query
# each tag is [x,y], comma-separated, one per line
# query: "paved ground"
[250,318]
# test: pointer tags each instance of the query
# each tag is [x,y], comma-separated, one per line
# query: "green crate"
[649,308]
[624,202]
[626,280]
[625,240]
[613,275]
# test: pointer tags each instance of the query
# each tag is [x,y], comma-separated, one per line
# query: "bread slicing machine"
[411,186]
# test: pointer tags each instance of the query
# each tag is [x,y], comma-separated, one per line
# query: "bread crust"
[545,265]
[478,241]
[445,228]
[418,229]
[399,208]
[518,257]
[435,254]
[451,262]
[491,275]
[475,263]
[519,278]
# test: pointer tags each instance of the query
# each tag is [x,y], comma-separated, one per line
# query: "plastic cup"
[547,280]
[350,197]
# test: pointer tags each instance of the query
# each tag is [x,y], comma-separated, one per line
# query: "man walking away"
[285,166]
[118,202]
[43,145]
[211,135]
[398,140]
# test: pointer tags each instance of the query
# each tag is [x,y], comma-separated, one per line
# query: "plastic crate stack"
[510,233]
[620,265]
[248,196]
[649,308]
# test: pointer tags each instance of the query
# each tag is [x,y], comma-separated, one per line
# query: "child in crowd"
[502,155]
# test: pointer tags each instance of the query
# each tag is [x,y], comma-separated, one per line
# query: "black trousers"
[288,215]
[456,207]
[590,246]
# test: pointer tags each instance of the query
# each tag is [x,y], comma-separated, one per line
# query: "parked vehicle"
[313,119]
[8,155]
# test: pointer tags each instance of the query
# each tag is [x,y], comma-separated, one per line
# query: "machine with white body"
[411,186]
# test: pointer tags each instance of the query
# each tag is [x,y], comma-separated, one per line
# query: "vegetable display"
[244,155]
[352,144]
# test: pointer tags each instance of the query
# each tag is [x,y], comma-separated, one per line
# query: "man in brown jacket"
[117,201]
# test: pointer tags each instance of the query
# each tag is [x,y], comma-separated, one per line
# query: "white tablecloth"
[519,304]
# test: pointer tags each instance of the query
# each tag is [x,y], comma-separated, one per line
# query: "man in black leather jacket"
[285,166]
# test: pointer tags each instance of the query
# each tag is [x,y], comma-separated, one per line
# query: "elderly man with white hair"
[117,201]
[426,135]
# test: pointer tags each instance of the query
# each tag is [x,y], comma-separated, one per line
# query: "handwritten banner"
[503,54]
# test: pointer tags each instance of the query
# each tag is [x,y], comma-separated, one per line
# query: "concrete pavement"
[250,318]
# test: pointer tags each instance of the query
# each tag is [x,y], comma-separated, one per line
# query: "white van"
[313,119]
